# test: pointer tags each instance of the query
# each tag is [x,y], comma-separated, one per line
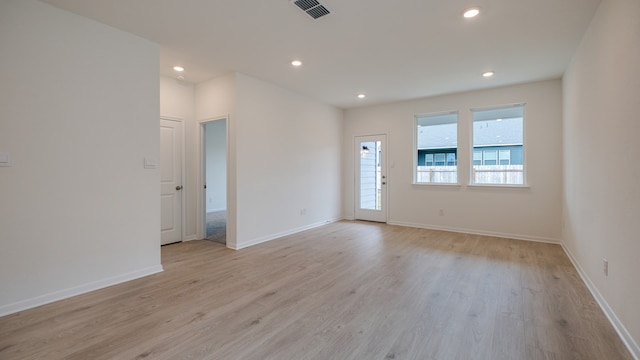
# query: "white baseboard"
[190,238]
[478,232]
[77,290]
[281,234]
[628,340]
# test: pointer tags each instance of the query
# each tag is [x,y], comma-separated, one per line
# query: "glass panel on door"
[370,175]
[371,179]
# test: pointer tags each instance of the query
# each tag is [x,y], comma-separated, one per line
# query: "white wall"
[216,159]
[78,113]
[288,158]
[216,99]
[284,155]
[602,197]
[531,213]
[177,101]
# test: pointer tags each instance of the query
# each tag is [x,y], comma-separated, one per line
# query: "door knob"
[179,187]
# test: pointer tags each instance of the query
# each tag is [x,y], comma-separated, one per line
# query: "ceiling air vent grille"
[313,8]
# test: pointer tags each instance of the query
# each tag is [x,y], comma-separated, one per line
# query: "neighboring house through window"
[498,145]
[437,148]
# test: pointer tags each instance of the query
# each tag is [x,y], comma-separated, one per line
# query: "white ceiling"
[389,50]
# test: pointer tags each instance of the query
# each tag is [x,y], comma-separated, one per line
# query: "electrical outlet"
[303,211]
[605,267]
[441,212]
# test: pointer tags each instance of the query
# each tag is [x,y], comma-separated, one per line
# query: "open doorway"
[215,180]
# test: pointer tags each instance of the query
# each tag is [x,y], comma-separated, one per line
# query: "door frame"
[201,222]
[183,173]
[385,171]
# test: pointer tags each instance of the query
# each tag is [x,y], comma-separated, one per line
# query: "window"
[451,159]
[490,157]
[428,160]
[498,146]
[477,158]
[436,154]
[440,159]
[505,157]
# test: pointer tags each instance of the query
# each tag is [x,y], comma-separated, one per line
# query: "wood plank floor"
[349,290]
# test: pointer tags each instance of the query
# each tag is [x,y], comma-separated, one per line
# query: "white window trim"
[415,149]
[499,186]
[525,183]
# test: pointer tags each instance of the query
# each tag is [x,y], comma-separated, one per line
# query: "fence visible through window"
[498,174]
[436,148]
[498,146]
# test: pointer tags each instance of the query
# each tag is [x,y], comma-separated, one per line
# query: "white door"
[371,178]
[170,181]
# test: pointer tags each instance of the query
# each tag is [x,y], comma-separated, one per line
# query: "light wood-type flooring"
[348,290]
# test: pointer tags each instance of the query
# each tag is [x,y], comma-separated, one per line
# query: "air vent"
[313,8]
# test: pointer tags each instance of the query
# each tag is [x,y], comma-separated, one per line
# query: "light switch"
[150,163]
[5,159]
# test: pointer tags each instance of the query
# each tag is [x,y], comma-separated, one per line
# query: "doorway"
[215,180]
[370,178]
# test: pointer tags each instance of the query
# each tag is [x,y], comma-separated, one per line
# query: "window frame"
[472,149]
[416,150]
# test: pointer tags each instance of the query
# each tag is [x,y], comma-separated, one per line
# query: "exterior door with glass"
[371,178]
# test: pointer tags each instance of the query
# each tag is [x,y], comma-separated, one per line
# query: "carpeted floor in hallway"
[217,226]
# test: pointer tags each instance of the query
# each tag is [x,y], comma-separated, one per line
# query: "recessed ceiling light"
[296,63]
[361,96]
[178,68]
[488,74]
[472,12]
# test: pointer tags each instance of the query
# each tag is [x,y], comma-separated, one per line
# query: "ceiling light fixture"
[488,74]
[296,63]
[472,12]
[361,96]
[178,68]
